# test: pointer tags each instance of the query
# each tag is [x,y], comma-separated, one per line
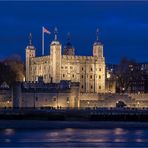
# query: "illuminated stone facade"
[89,71]
[64,94]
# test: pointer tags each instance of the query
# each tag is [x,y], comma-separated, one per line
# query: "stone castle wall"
[5,98]
[141,99]
[70,98]
[46,95]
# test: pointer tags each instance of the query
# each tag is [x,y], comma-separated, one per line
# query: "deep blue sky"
[123,27]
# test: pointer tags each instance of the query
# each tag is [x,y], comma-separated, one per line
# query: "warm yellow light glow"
[108,75]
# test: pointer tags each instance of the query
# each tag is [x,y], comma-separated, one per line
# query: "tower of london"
[89,71]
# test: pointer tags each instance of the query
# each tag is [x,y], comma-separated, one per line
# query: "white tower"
[55,59]
[30,53]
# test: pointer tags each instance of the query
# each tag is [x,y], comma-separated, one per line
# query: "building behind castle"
[89,71]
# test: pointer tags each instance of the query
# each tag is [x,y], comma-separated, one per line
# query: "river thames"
[71,137]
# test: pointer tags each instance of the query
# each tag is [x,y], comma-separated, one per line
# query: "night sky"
[123,27]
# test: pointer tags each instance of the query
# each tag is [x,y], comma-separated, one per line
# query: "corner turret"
[30,53]
[69,49]
[97,46]
[55,59]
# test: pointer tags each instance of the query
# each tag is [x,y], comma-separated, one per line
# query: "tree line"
[12,69]
[129,72]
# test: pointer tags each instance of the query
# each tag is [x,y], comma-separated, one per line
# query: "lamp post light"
[88,103]
[123,89]
[68,104]
[138,104]
[8,103]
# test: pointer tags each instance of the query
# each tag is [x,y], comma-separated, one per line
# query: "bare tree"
[6,74]
[11,70]
[126,73]
[17,66]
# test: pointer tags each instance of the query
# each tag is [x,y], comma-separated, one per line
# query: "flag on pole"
[46,30]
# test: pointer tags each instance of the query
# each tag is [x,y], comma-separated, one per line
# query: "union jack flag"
[46,31]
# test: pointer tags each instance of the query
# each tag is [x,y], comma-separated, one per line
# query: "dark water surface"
[69,137]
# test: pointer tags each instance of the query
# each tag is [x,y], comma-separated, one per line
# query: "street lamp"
[68,101]
[68,104]
[8,103]
[138,104]
[123,89]
[88,103]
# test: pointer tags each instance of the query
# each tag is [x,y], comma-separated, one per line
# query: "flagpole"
[42,41]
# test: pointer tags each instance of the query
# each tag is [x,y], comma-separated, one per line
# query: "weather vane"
[97,34]
[55,32]
[30,38]
[68,36]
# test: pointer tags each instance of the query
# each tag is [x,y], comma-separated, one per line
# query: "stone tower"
[69,49]
[30,53]
[99,64]
[97,46]
[55,59]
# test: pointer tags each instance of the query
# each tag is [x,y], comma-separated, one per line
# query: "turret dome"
[68,48]
[55,41]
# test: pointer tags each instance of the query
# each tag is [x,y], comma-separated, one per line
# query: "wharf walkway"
[69,114]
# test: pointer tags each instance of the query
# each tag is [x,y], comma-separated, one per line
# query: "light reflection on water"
[9,131]
[69,137]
